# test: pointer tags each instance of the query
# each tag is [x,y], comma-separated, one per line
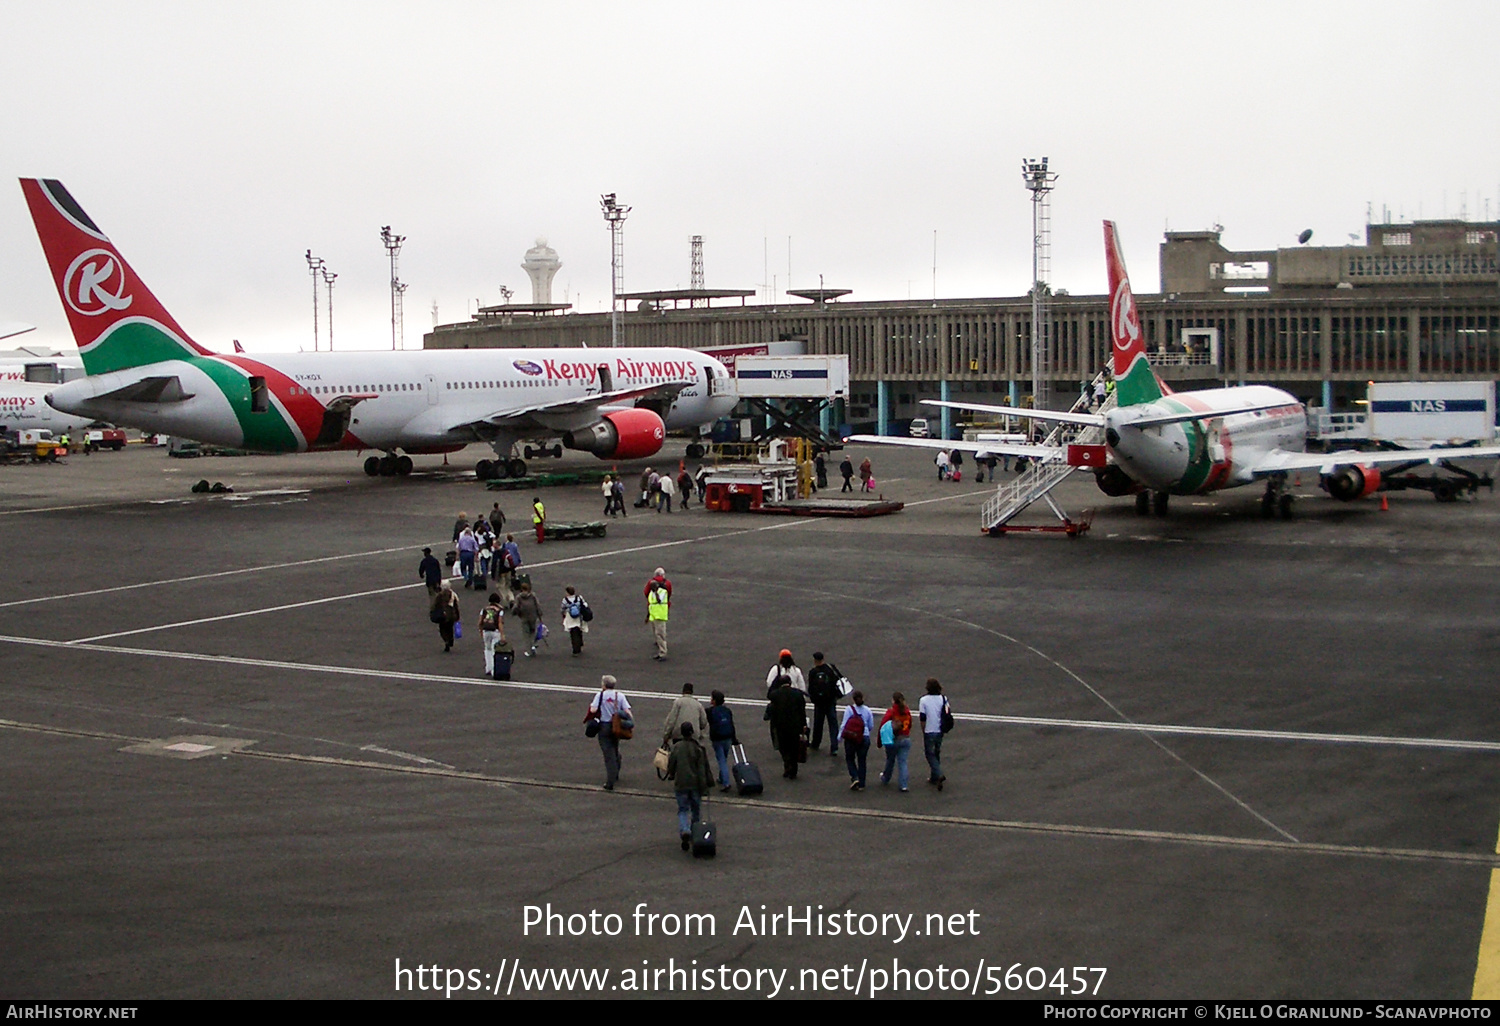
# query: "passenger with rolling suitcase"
[721,735]
[746,775]
[490,631]
[688,768]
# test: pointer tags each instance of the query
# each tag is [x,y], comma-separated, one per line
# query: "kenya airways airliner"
[1160,443]
[144,371]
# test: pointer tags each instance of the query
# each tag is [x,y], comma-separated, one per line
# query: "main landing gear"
[492,470]
[388,465]
[1147,503]
[1277,499]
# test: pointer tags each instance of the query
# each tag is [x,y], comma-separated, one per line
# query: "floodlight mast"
[392,243]
[315,265]
[328,279]
[614,216]
[1039,181]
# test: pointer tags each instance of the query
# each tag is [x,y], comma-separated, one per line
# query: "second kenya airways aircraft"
[145,372]
[1161,443]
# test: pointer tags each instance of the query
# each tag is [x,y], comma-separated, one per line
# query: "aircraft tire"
[372,466]
[1159,502]
[557,452]
[1444,490]
[695,451]
[515,468]
[403,465]
[1284,505]
[484,470]
[1142,503]
[387,466]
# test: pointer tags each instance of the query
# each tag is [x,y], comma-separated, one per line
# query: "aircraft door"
[430,386]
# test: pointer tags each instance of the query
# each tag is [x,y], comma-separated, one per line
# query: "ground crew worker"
[539,518]
[658,603]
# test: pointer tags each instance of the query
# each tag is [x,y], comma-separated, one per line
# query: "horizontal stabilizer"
[162,389]
[1086,419]
[1279,461]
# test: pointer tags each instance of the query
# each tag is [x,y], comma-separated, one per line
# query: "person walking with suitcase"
[855,731]
[896,740]
[937,720]
[575,616]
[721,735]
[529,612]
[607,704]
[688,767]
[491,631]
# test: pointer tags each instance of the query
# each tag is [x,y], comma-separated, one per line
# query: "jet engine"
[1352,483]
[1115,482]
[620,435]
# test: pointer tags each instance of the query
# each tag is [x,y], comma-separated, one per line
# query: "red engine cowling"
[1352,483]
[620,435]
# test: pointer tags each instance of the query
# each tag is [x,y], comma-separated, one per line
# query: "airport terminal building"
[1417,301]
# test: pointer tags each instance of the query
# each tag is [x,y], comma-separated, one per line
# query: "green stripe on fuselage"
[1199,465]
[264,432]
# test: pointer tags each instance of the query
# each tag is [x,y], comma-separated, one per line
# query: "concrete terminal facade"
[1418,301]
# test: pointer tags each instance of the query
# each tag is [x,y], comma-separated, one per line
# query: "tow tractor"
[33,445]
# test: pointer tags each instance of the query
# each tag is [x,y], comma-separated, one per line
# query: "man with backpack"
[823,690]
[858,725]
[491,631]
[576,614]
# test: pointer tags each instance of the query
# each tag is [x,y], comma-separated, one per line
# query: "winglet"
[116,321]
[1135,382]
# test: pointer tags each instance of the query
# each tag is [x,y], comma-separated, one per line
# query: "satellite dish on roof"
[1306,234]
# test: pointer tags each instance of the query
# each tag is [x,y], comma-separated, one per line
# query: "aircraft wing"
[1087,419]
[581,404]
[1045,453]
[1278,461]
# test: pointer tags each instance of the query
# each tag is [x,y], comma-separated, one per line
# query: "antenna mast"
[614,216]
[1039,181]
[696,283]
[392,244]
[328,277]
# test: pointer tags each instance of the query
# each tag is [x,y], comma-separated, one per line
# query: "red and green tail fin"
[116,321]
[1135,381]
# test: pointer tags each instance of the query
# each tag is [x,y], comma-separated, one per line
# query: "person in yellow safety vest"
[539,518]
[658,604]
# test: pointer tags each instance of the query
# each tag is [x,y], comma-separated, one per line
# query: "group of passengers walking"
[609,718]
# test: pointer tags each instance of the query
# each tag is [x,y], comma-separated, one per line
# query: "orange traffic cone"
[1385,503]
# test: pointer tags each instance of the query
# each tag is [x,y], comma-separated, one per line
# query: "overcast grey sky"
[216,143]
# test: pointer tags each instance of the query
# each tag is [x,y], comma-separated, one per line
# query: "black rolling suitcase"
[705,836]
[504,657]
[746,774]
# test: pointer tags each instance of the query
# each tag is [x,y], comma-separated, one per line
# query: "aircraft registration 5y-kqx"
[1159,443]
[144,371]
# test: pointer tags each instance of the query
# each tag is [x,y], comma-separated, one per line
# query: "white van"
[918,428]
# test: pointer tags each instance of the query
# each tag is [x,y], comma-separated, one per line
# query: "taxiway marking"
[1487,971]
[879,815]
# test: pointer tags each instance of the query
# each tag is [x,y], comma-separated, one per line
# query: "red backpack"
[854,728]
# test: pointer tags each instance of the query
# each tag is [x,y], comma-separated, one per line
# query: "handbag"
[623,726]
[587,615]
[947,719]
[591,724]
[887,733]
[660,761]
[802,746]
[845,687]
[458,629]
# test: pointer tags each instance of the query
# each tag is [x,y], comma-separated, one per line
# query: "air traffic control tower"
[541,264]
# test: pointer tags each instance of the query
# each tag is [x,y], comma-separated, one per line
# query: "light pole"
[1040,181]
[314,265]
[328,277]
[614,216]
[392,243]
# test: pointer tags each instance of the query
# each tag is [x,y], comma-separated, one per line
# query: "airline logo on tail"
[1134,380]
[116,321]
[87,285]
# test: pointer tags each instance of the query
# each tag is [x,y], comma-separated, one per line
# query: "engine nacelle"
[1352,483]
[1115,482]
[620,435]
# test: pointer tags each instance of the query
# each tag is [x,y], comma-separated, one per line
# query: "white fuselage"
[417,400]
[1208,454]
